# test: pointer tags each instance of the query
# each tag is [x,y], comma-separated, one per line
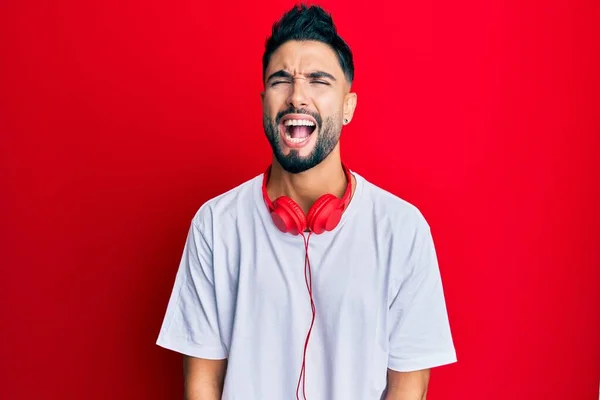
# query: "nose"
[298,97]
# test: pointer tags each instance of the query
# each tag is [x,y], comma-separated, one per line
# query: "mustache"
[283,113]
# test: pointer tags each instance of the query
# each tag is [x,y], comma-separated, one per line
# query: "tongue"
[300,132]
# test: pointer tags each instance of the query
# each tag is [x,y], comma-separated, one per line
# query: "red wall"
[118,119]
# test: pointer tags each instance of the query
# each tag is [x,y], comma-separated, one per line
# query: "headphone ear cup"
[325,214]
[288,216]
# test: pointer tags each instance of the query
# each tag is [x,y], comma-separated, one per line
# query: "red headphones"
[324,215]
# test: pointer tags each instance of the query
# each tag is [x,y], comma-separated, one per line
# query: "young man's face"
[304,103]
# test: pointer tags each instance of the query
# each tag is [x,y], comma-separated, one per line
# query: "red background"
[119,119]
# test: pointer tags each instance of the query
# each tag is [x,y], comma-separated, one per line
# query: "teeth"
[298,122]
[296,140]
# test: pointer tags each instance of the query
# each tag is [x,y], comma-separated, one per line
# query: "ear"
[349,106]
[262,97]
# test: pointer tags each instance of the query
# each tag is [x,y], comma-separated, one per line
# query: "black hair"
[309,23]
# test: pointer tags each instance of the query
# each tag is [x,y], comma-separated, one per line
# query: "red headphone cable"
[308,280]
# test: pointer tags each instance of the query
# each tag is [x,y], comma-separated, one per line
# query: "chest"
[347,276]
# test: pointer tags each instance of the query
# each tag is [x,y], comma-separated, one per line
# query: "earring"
[345,120]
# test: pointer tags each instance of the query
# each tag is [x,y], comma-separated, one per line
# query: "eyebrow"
[321,74]
[279,74]
[314,75]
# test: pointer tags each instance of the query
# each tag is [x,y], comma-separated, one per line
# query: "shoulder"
[227,205]
[407,233]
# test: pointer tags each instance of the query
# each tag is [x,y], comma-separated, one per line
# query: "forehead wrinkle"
[302,66]
[305,56]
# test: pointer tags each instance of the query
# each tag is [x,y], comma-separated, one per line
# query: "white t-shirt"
[240,293]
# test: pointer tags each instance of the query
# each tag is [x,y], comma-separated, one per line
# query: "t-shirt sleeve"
[191,323]
[420,335]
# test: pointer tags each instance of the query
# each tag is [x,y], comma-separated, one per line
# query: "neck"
[306,187]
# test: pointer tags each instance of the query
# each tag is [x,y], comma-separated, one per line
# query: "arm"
[419,337]
[407,385]
[203,378]
[192,324]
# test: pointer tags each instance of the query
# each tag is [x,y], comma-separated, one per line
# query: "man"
[308,281]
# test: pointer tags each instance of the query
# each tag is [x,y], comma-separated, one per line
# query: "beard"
[328,136]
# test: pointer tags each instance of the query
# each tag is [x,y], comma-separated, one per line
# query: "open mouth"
[298,130]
